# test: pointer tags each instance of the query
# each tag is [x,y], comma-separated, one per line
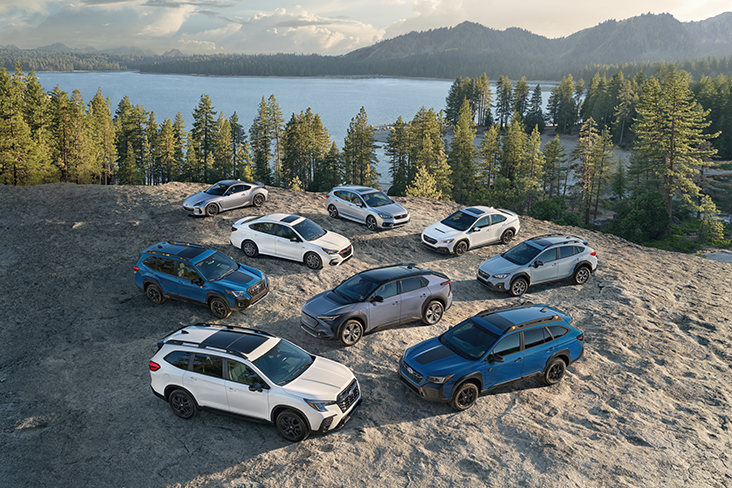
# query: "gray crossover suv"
[539,260]
[366,205]
[375,298]
[225,195]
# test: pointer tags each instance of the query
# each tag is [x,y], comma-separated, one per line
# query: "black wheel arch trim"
[171,388]
[563,354]
[356,314]
[583,263]
[476,375]
[522,275]
[279,408]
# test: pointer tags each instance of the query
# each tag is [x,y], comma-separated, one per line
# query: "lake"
[336,100]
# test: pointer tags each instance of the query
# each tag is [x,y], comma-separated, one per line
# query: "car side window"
[388,290]
[356,200]
[409,284]
[558,331]
[567,251]
[241,373]
[483,222]
[548,256]
[284,231]
[208,365]
[495,219]
[535,337]
[263,227]
[167,266]
[179,359]
[340,194]
[236,189]
[508,345]
[151,262]
[186,271]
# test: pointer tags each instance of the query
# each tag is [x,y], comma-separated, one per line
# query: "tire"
[212,209]
[433,312]
[219,307]
[292,425]
[507,236]
[371,223]
[333,211]
[460,248]
[581,275]
[554,372]
[313,260]
[350,332]
[258,200]
[154,293]
[465,396]
[518,287]
[182,404]
[250,249]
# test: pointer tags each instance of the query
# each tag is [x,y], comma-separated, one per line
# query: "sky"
[323,27]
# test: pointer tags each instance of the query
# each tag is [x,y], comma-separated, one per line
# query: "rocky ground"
[647,405]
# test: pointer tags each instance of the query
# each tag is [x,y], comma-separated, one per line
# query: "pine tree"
[554,158]
[330,171]
[359,152]
[424,185]
[535,116]
[238,138]
[154,169]
[462,156]
[397,150]
[513,151]
[504,100]
[521,97]
[260,139]
[103,137]
[167,151]
[179,131]
[489,154]
[204,121]
[275,125]
[427,148]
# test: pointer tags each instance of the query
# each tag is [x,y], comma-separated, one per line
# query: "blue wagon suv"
[491,349]
[193,273]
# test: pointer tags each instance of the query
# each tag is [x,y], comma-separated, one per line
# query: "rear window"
[558,331]
[535,337]
[208,365]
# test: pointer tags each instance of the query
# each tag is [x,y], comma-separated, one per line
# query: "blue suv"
[193,273]
[491,349]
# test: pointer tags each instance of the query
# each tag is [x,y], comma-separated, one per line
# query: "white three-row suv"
[252,374]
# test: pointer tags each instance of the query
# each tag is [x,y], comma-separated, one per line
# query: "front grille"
[257,289]
[346,252]
[399,217]
[348,396]
[429,239]
[483,274]
[308,320]
[411,373]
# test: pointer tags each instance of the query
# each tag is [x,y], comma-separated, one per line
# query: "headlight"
[318,405]
[198,204]
[501,276]
[447,241]
[329,251]
[384,216]
[328,318]
[439,379]
[237,293]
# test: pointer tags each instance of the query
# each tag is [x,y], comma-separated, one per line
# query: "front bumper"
[341,412]
[492,283]
[393,223]
[193,210]
[436,245]
[316,327]
[416,382]
[341,256]
[242,303]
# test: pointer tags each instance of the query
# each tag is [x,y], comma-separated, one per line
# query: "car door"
[241,399]
[414,293]
[386,311]
[190,283]
[263,236]
[206,382]
[498,223]
[344,204]
[167,275]
[537,345]
[480,233]
[510,368]
[544,267]
[568,259]
[287,243]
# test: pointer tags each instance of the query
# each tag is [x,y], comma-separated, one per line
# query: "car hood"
[326,303]
[198,197]
[332,241]
[391,209]
[498,265]
[440,231]
[239,278]
[323,380]
[431,358]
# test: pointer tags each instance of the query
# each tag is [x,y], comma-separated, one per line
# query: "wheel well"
[148,282]
[171,388]
[524,276]
[585,264]
[431,299]
[562,355]
[471,379]
[211,296]
[305,256]
[279,408]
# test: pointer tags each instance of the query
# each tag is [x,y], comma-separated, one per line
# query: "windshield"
[309,230]
[460,220]
[216,266]
[521,254]
[284,362]
[469,340]
[376,199]
[217,189]
[356,288]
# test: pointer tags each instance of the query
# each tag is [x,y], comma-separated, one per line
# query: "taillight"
[233,229]
[154,366]
[136,268]
[446,283]
[581,337]
[593,253]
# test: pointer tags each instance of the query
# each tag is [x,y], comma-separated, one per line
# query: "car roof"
[479,210]
[228,182]
[281,217]
[509,319]
[357,188]
[181,249]
[386,273]
[548,240]
[241,341]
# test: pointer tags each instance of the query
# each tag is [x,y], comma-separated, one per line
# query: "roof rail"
[489,311]
[177,243]
[235,327]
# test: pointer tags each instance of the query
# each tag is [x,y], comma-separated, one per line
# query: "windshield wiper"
[224,275]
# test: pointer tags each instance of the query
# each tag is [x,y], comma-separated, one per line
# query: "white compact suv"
[252,374]
[366,206]
[290,237]
[471,227]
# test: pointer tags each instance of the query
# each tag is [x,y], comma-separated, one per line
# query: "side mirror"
[256,387]
[538,263]
[495,358]
[197,281]
[377,298]
[295,239]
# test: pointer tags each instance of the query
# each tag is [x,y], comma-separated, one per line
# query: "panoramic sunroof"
[290,218]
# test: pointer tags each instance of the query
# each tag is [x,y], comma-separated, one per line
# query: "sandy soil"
[647,405]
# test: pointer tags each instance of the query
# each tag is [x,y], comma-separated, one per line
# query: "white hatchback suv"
[252,374]
[471,227]
[290,237]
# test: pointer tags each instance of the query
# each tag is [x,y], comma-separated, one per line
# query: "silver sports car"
[226,195]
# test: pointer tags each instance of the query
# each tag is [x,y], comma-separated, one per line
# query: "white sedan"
[471,227]
[290,237]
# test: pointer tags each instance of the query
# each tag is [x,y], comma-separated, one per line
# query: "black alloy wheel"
[154,293]
[219,307]
[292,425]
[554,372]
[182,404]
[465,396]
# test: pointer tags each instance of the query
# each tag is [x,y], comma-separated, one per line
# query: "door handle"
[191,378]
[231,389]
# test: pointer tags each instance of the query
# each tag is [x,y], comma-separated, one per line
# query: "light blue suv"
[366,206]
[193,273]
